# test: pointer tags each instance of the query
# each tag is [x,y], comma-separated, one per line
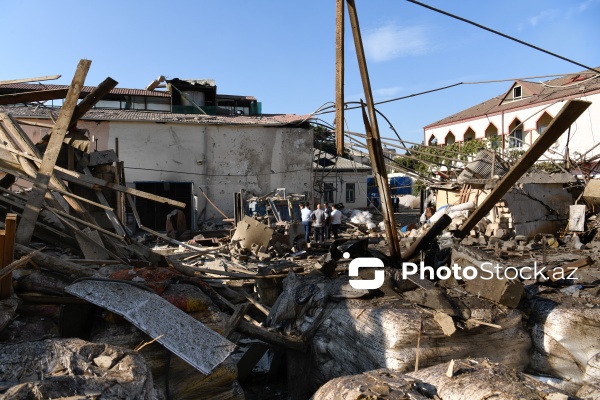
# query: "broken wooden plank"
[36,197]
[95,183]
[91,99]
[116,224]
[25,80]
[255,303]
[273,338]
[30,97]
[186,337]
[19,140]
[79,221]
[8,254]
[373,137]
[38,124]
[339,78]
[236,318]
[55,264]
[53,235]
[565,118]
[90,245]
[7,270]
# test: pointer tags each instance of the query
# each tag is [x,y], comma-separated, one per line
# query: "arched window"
[469,135]
[432,141]
[450,139]
[543,123]
[491,134]
[516,136]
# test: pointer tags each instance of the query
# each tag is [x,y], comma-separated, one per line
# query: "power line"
[501,34]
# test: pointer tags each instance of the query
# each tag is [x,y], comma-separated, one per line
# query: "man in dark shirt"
[327,227]
[318,216]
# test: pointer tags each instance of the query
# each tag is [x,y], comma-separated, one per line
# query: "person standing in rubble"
[327,226]
[336,221]
[319,217]
[306,220]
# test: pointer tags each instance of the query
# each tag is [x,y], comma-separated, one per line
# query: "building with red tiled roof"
[518,116]
[189,143]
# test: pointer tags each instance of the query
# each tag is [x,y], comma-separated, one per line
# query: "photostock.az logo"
[366,262]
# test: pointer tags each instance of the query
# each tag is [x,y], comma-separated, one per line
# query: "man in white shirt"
[336,221]
[305,212]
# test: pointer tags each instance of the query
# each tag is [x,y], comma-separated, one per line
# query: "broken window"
[350,192]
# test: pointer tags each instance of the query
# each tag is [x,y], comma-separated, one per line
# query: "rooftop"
[330,162]
[37,112]
[565,87]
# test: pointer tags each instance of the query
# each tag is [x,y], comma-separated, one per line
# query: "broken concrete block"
[249,231]
[60,368]
[490,282]
[445,322]
[504,291]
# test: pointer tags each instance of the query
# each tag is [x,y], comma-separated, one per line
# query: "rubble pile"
[463,312]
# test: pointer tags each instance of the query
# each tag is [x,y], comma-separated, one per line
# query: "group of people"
[325,221]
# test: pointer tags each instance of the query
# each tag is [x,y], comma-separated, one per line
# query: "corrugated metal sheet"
[186,337]
[481,168]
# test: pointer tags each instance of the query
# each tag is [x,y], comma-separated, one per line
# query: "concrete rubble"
[248,309]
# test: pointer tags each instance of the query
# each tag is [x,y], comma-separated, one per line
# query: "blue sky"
[283,52]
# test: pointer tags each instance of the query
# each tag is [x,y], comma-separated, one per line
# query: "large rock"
[60,368]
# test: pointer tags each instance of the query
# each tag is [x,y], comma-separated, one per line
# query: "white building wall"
[340,180]
[219,160]
[585,132]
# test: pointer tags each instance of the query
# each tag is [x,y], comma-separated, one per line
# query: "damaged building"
[384,310]
[188,143]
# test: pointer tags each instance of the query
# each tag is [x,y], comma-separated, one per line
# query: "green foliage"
[425,160]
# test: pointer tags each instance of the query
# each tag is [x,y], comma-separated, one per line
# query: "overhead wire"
[501,34]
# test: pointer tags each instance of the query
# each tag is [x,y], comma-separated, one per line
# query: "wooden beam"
[38,124]
[30,97]
[374,140]
[20,140]
[36,197]
[82,222]
[567,115]
[51,263]
[91,99]
[8,254]
[6,272]
[64,193]
[25,80]
[95,183]
[236,318]
[339,77]
[109,212]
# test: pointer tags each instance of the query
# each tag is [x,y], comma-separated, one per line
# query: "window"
[517,92]
[516,138]
[350,192]
[328,190]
